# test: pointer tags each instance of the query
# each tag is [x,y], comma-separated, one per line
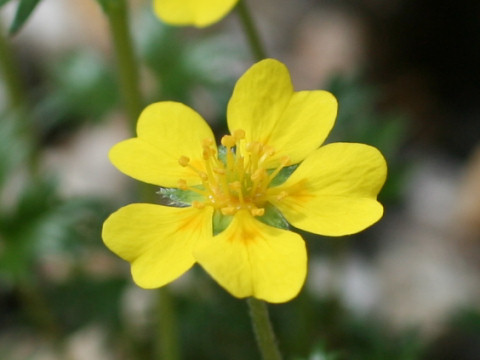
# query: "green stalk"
[18,101]
[251,31]
[168,347]
[127,65]
[117,13]
[11,75]
[263,330]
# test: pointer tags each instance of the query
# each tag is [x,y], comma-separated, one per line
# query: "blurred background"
[407,79]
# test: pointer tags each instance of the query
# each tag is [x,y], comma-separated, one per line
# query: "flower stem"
[168,348]
[251,31]
[263,330]
[18,102]
[11,76]
[117,13]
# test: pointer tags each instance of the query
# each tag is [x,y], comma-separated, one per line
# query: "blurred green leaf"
[182,65]
[84,300]
[82,88]
[360,120]
[14,148]
[24,10]
[43,223]
[3,2]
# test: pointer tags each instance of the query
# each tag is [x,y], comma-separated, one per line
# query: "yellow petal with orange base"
[251,258]
[334,191]
[265,105]
[166,131]
[157,240]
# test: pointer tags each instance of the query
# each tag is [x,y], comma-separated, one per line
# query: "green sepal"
[220,222]
[222,154]
[24,10]
[283,175]
[178,197]
[274,217]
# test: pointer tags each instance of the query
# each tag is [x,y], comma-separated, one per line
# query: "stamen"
[198,204]
[228,141]
[184,161]
[239,134]
[228,210]
[258,174]
[283,194]
[207,142]
[240,183]
[219,171]
[182,184]
[284,162]
[257,211]
[236,186]
[268,151]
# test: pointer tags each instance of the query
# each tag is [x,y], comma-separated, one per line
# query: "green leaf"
[82,88]
[14,147]
[112,5]
[104,5]
[3,2]
[24,10]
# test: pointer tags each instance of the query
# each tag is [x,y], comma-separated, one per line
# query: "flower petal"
[266,107]
[157,240]
[250,258]
[333,192]
[198,13]
[166,131]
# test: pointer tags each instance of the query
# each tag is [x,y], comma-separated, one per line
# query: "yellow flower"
[235,197]
[198,13]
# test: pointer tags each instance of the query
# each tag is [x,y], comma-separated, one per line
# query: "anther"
[235,185]
[257,211]
[258,174]
[228,210]
[268,150]
[207,142]
[183,161]
[182,184]
[197,204]
[228,141]
[282,195]
[219,171]
[239,134]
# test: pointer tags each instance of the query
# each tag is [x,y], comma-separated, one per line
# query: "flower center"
[239,180]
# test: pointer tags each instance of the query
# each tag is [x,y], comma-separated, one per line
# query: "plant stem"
[11,76]
[251,31]
[127,65]
[168,348]
[117,13]
[18,102]
[263,330]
